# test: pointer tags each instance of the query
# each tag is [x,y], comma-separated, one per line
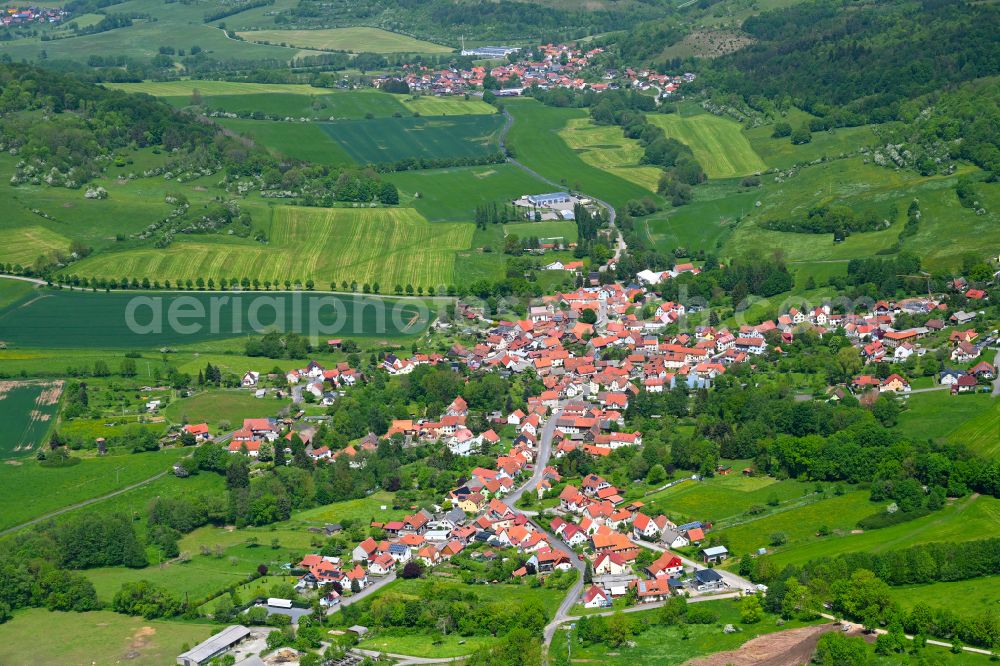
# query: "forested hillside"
[858,63]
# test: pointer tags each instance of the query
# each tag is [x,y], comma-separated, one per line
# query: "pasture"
[605,147]
[947,231]
[717,143]
[98,638]
[965,597]
[428,105]
[367,245]
[387,140]
[722,497]
[966,519]
[28,411]
[184,88]
[799,521]
[535,141]
[941,416]
[981,433]
[781,153]
[702,224]
[79,320]
[451,195]
[29,490]
[217,406]
[353,40]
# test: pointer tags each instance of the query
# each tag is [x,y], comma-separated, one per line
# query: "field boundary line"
[80,505]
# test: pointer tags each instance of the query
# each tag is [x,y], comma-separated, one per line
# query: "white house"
[596,597]
[250,379]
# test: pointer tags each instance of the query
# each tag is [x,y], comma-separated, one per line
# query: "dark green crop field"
[383,140]
[118,320]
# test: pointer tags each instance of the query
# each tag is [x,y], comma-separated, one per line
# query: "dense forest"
[859,63]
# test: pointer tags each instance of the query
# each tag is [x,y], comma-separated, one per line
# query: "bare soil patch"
[784,648]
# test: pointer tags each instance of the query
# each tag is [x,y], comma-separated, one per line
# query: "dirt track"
[784,648]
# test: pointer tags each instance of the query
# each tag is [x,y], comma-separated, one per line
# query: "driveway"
[371,589]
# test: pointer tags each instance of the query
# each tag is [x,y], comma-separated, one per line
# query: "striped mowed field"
[605,147]
[717,143]
[22,245]
[385,245]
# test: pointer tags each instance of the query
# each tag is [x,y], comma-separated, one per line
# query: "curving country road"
[620,245]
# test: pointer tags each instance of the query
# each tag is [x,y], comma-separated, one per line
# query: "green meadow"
[29,490]
[722,497]
[300,141]
[97,638]
[717,143]
[781,153]
[387,140]
[970,418]
[965,597]
[357,40]
[536,142]
[222,405]
[451,195]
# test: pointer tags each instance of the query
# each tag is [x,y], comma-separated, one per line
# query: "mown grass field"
[216,406]
[800,521]
[717,143]
[365,510]
[982,432]
[606,147]
[99,321]
[451,195]
[28,411]
[98,638]
[28,490]
[544,230]
[385,140]
[660,645]
[427,105]
[385,245]
[24,244]
[964,597]
[355,40]
[705,222]
[941,416]
[535,141]
[717,498]
[966,519]
[300,141]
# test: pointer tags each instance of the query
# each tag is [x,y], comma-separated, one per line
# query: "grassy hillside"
[535,140]
[605,147]
[357,40]
[717,143]
[385,245]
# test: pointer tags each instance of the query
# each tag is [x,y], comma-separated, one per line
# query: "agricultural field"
[208,89]
[451,195]
[353,40]
[29,490]
[217,406]
[366,509]
[799,521]
[427,105]
[300,141]
[968,422]
[367,245]
[99,320]
[965,519]
[548,230]
[605,147]
[702,224]
[12,291]
[24,244]
[717,143]
[28,411]
[723,497]
[386,140]
[535,141]
[662,645]
[964,597]
[175,24]
[98,638]
[981,433]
